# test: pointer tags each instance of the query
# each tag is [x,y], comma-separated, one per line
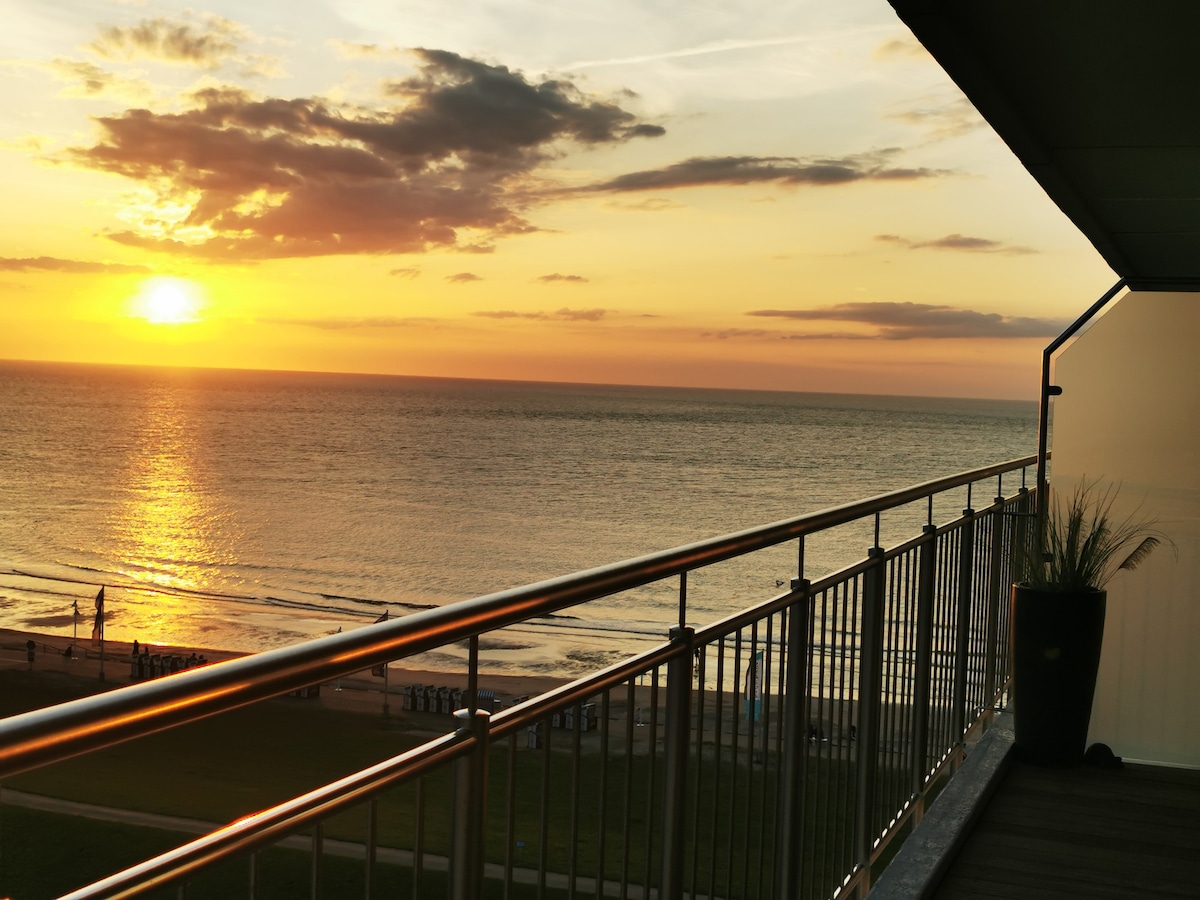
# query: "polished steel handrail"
[41,737]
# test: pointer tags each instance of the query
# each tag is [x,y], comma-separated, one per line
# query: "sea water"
[248,510]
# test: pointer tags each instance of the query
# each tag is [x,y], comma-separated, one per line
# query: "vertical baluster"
[651,783]
[735,720]
[544,823]
[927,570]
[753,705]
[419,840]
[630,724]
[718,725]
[317,851]
[254,875]
[679,691]
[372,843]
[602,824]
[849,684]
[768,682]
[510,813]
[701,656]
[870,684]
[469,807]
[966,563]
[576,743]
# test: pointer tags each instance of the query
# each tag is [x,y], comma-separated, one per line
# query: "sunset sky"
[759,195]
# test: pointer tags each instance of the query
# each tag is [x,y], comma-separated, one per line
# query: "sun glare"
[168,301]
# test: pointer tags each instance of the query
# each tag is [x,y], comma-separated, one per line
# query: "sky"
[753,195]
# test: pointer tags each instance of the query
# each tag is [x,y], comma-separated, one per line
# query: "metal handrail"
[45,736]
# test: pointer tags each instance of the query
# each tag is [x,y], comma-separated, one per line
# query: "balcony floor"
[1085,832]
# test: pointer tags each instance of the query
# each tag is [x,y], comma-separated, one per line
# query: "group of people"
[143,666]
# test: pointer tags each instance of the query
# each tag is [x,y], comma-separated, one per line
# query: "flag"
[382,618]
[98,624]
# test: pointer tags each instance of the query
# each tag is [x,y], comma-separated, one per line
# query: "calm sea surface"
[247,510]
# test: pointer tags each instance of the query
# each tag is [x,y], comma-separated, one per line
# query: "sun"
[168,301]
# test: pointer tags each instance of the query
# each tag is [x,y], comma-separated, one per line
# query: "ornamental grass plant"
[1084,546]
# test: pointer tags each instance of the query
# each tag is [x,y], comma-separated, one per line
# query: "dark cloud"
[574,279]
[406,272]
[906,321]
[271,178]
[742,170]
[463,278]
[959,242]
[71,266]
[206,45]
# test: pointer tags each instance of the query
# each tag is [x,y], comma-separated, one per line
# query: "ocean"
[249,510]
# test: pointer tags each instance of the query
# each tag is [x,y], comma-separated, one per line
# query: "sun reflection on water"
[169,531]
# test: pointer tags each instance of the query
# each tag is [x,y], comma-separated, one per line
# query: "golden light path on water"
[168,531]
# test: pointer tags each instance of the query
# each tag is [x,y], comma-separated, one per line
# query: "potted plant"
[1058,619]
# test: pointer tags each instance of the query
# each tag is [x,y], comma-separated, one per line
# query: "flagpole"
[75,630]
[385,690]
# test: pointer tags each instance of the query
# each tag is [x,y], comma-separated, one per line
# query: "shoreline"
[360,692]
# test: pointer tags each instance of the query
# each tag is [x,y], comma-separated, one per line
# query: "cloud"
[570,315]
[358,50]
[463,278]
[69,266]
[939,115]
[649,204]
[274,178]
[743,170]
[86,79]
[574,279]
[907,321]
[959,242]
[206,45]
[581,315]
[406,272]
[508,314]
[902,47]
[334,324]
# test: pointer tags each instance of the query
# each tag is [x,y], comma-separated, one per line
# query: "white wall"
[1130,413]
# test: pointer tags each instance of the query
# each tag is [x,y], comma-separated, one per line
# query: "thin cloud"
[508,314]
[907,321]
[463,278]
[573,279]
[409,272]
[902,47]
[939,115]
[957,242]
[336,324]
[649,204]
[207,44]
[569,315]
[744,170]
[276,178]
[358,50]
[69,266]
[581,315]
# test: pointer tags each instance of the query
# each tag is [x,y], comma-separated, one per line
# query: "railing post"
[923,688]
[678,729]
[962,644]
[870,688]
[789,849]
[468,808]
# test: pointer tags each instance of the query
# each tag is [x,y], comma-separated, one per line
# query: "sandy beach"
[361,692]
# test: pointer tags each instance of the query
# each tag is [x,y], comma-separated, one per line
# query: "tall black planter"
[1056,655]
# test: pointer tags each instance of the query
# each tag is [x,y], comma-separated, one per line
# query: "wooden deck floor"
[1086,832]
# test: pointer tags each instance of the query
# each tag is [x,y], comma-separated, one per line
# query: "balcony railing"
[774,753]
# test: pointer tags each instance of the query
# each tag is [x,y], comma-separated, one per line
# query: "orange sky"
[788,198]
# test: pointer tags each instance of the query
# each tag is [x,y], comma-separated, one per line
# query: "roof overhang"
[1100,101]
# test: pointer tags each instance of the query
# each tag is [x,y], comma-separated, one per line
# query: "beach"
[361,692]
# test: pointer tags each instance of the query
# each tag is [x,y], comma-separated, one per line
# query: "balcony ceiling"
[1100,101]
